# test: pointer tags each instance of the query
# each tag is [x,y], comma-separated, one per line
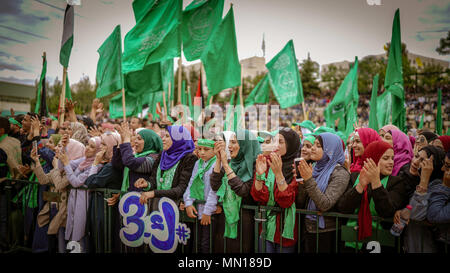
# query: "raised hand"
[65,140]
[426,167]
[275,163]
[261,164]
[305,169]
[94,131]
[99,157]
[34,155]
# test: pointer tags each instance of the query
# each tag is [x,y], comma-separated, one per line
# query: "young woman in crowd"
[361,138]
[439,207]
[419,237]
[199,199]
[103,175]
[172,168]
[403,150]
[232,181]
[77,171]
[321,189]
[274,185]
[136,164]
[442,142]
[374,191]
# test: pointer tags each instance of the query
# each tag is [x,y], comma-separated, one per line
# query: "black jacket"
[387,200]
[180,180]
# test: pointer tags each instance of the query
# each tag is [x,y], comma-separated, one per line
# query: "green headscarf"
[242,166]
[307,124]
[310,138]
[324,129]
[151,141]
[152,145]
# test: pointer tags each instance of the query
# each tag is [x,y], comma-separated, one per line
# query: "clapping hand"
[261,164]
[305,169]
[275,163]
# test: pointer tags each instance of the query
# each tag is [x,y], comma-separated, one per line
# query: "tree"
[309,73]
[444,45]
[368,67]
[333,77]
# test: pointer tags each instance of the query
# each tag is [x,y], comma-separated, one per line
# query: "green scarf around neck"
[198,186]
[289,213]
[165,182]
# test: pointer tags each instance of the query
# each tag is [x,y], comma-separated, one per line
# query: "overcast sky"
[330,30]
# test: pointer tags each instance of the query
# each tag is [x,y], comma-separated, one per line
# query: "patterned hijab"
[79,132]
[89,160]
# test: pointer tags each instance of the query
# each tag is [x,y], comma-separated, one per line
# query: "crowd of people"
[212,175]
[416,106]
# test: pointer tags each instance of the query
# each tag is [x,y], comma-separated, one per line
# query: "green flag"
[421,121]
[68,91]
[439,113]
[141,7]
[132,105]
[155,37]
[393,82]
[384,106]
[345,102]
[199,20]
[284,77]
[220,57]
[67,38]
[109,67]
[147,80]
[259,94]
[40,98]
[373,119]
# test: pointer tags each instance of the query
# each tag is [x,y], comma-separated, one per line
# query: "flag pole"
[164,112]
[168,96]
[240,95]
[179,74]
[123,105]
[304,110]
[62,97]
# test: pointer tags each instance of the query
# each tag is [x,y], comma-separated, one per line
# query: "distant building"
[251,68]
[16,96]
[411,56]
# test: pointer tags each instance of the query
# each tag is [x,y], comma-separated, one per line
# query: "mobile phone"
[297,173]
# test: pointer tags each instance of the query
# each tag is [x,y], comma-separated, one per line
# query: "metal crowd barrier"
[102,235]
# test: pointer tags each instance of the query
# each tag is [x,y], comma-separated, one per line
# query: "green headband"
[206,142]
[13,121]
